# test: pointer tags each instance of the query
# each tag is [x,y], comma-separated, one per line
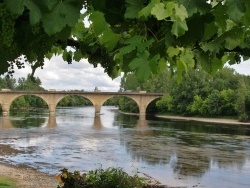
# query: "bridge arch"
[78,97]
[52,98]
[6,104]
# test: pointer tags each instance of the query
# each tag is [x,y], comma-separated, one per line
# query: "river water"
[174,152]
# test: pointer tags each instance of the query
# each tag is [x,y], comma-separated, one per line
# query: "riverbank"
[27,177]
[196,119]
[205,120]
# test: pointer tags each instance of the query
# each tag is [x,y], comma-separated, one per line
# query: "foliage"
[128,105]
[112,101]
[100,178]
[141,36]
[165,103]
[7,83]
[29,84]
[74,101]
[223,94]
[130,83]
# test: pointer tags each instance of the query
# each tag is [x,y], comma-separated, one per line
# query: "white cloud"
[242,68]
[58,74]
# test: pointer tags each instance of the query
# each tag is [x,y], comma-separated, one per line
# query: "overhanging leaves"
[98,22]
[62,14]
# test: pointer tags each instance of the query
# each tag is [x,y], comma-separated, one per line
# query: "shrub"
[100,178]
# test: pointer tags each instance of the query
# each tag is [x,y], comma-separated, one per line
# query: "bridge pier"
[52,109]
[97,109]
[142,111]
[6,109]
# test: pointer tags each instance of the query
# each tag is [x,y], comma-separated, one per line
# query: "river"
[174,152]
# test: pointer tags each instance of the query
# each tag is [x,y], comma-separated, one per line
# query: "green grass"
[6,182]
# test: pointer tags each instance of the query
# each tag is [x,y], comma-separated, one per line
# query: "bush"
[100,178]
[243,118]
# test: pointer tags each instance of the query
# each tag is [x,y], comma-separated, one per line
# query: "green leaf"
[62,14]
[98,22]
[49,55]
[146,11]
[141,68]
[187,57]
[136,42]
[181,66]
[109,39]
[77,56]
[216,64]
[79,30]
[160,11]
[179,28]
[132,44]
[153,63]
[133,8]
[235,10]
[171,51]
[213,46]
[232,42]
[181,12]
[203,59]
[35,12]
[220,17]
[246,17]
[16,6]
[209,31]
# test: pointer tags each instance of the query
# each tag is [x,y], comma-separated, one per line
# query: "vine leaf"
[109,39]
[133,8]
[141,67]
[132,43]
[62,14]
[35,12]
[179,28]
[160,11]
[77,56]
[98,22]
[16,6]
[146,11]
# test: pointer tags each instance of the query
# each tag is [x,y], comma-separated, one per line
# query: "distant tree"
[7,82]
[28,101]
[29,84]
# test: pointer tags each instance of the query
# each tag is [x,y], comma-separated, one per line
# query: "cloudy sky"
[57,74]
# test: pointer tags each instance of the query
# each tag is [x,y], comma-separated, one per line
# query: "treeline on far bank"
[224,94]
[34,102]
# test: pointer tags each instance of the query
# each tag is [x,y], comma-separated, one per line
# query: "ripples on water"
[176,153]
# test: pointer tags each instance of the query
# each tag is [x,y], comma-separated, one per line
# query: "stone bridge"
[97,98]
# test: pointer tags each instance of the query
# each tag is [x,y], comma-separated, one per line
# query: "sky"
[58,74]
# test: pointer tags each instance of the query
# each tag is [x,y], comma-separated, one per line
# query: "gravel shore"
[25,176]
[28,177]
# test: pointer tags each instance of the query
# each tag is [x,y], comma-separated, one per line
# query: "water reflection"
[169,151]
[97,124]
[189,148]
[5,122]
[51,122]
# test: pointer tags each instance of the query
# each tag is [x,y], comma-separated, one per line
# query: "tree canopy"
[142,36]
